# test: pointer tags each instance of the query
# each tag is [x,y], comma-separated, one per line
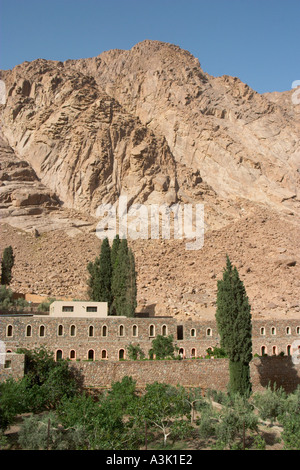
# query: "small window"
[68,308]
[181,352]
[152,330]
[121,330]
[274,350]
[72,354]
[28,330]
[134,330]
[164,330]
[42,330]
[193,332]
[91,355]
[73,330]
[91,309]
[9,330]
[193,352]
[273,330]
[288,330]
[209,332]
[7,364]
[60,330]
[103,354]
[262,330]
[263,350]
[59,354]
[298,330]
[91,330]
[180,332]
[288,350]
[104,330]
[121,354]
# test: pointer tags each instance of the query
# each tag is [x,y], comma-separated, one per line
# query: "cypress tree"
[124,282]
[114,250]
[101,275]
[233,316]
[7,263]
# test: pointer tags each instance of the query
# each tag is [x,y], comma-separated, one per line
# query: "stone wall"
[204,373]
[102,338]
[12,365]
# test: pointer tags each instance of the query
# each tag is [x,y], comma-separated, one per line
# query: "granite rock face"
[80,142]
[243,144]
[150,124]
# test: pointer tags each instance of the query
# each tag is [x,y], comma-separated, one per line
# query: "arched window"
[151,330]
[73,330]
[181,352]
[273,330]
[60,330]
[9,330]
[59,354]
[274,350]
[91,330]
[209,332]
[121,330]
[164,330]
[28,330]
[121,354]
[134,330]
[91,354]
[263,350]
[103,354]
[298,330]
[72,354]
[42,330]
[104,330]
[288,330]
[262,330]
[193,352]
[193,332]
[288,350]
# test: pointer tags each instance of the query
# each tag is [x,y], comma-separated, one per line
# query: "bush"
[46,433]
[270,403]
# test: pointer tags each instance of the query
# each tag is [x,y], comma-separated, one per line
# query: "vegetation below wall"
[53,411]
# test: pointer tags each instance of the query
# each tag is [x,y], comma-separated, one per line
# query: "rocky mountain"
[150,124]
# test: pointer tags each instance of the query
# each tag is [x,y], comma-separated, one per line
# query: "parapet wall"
[204,373]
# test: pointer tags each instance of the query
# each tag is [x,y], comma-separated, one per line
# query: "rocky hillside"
[150,124]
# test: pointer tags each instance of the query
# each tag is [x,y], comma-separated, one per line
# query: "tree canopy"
[233,316]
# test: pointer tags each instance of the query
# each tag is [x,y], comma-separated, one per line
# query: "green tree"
[135,352]
[270,403]
[163,347]
[124,282]
[47,381]
[237,416]
[103,421]
[101,275]
[160,407]
[7,263]
[46,433]
[12,401]
[114,250]
[233,316]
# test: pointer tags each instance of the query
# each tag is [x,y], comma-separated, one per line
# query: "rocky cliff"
[150,124]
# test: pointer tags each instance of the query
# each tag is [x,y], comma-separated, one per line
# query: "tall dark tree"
[7,263]
[124,282]
[233,316]
[114,250]
[101,275]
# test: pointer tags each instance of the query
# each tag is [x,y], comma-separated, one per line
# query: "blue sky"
[257,41]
